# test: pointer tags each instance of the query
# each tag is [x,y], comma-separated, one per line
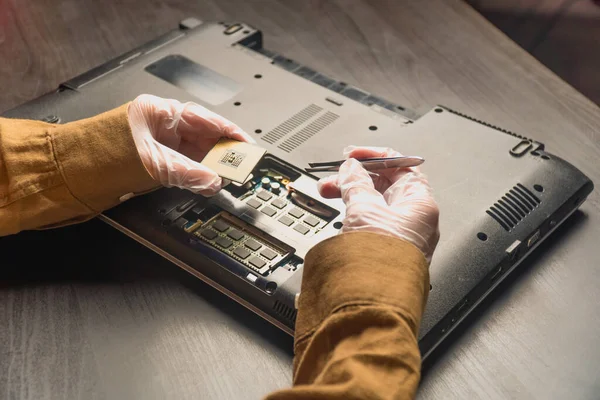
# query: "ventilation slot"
[513,207]
[308,131]
[285,311]
[292,123]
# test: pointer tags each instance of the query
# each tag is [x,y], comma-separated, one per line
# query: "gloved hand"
[396,202]
[172,137]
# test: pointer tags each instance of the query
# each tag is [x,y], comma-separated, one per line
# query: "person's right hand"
[396,202]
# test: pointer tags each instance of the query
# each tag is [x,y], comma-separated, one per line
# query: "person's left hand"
[172,137]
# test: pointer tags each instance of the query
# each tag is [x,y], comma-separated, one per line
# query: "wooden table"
[87,313]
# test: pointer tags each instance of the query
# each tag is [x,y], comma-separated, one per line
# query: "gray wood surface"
[564,35]
[88,313]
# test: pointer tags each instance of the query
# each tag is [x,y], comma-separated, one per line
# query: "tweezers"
[370,164]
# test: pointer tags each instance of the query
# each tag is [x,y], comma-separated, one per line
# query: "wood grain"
[112,320]
[564,35]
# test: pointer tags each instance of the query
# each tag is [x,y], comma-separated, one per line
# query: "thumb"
[356,185]
[177,170]
[328,187]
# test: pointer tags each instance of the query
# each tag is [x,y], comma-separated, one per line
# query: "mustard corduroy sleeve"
[52,175]
[359,312]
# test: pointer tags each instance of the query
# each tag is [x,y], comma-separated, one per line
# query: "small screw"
[52,119]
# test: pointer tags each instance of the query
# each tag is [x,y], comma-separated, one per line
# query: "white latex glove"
[396,202]
[172,137]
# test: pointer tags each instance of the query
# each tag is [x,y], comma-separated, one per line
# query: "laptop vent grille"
[513,207]
[285,311]
[308,131]
[292,123]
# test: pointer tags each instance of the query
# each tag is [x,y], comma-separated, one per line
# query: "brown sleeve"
[359,312]
[52,175]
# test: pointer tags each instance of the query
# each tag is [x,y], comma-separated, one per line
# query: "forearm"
[52,175]
[360,308]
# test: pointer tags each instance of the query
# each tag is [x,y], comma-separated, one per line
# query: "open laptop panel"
[500,194]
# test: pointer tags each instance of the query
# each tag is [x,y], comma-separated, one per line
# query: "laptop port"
[513,251]
[232,29]
[496,274]
[534,238]
[460,310]
[463,306]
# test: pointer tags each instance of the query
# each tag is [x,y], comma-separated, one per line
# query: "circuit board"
[272,193]
[269,190]
[244,243]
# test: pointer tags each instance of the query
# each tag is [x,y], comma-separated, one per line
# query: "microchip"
[257,262]
[297,213]
[312,221]
[302,229]
[287,221]
[278,203]
[233,160]
[264,195]
[253,244]
[269,211]
[207,233]
[254,203]
[235,234]
[224,242]
[220,226]
[241,252]
[268,254]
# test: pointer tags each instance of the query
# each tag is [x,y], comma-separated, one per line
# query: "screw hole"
[535,153]
[343,83]
[539,188]
[271,287]
[258,131]
[237,103]
[246,31]
[258,76]
[430,287]
[439,110]
[400,108]
[373,128]
[338,225]
[482,236]
[52,119]
[162,211]
[545,157]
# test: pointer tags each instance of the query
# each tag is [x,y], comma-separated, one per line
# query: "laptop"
[500,193]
